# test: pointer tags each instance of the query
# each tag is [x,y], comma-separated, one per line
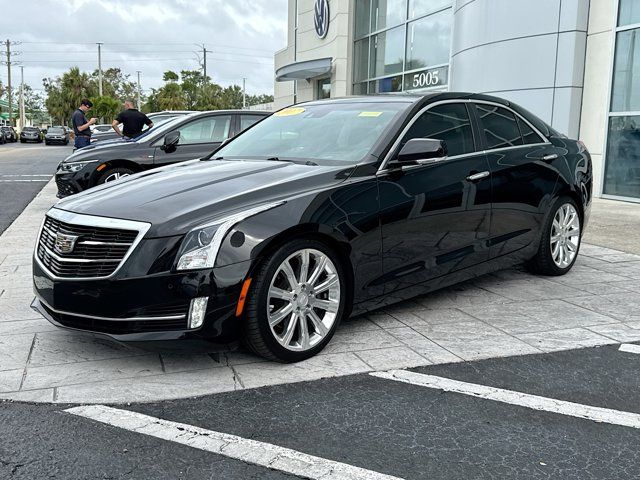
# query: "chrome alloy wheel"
[303,301]
[565,235]
[115,176]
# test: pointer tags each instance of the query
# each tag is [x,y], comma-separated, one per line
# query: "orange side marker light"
[243,297]
[101,167]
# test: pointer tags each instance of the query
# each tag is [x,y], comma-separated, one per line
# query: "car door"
[198,138]
[522,176]
[435,217]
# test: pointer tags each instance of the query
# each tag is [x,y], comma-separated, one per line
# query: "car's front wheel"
[296,301]
[114,174]
[561,237]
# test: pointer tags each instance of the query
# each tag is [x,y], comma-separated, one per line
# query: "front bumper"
[143,309]
[68,184]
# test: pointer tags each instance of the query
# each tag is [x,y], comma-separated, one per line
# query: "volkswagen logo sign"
[65,243]
[321,17]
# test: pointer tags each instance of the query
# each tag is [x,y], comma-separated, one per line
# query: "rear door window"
[500,127]
[528,135]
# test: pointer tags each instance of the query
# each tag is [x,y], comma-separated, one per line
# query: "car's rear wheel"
[114,174]
[560,242]
[296,301]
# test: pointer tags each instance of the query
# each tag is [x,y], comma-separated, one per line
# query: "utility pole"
[99,69]
[204,53]
[21,104]
[244,93]
[138,93]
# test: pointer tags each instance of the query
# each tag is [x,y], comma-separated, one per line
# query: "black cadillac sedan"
[183,138]
[323,210]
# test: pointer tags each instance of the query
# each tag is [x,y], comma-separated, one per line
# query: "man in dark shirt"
[81,125]
[132,122]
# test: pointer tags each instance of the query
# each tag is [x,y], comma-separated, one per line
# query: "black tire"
[258,335]
[122,171]
[23,141]
[543,262]
[47,143]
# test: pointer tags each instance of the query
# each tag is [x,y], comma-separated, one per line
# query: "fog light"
[197,310]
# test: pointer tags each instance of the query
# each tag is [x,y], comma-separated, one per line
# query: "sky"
[51,36]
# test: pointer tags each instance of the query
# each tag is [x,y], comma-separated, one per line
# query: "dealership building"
[571,62]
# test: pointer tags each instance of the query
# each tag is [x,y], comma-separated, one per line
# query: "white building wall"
[597,81]
[306,45]
[529,52]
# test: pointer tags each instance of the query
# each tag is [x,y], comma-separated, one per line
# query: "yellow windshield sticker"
[370,114]
[289,112]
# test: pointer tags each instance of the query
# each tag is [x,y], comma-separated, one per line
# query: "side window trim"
[199,119]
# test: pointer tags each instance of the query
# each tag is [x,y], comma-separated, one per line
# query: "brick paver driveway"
[503,314]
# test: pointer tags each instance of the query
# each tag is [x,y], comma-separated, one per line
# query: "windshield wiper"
[299,162]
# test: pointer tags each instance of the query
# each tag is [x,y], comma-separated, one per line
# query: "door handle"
[550,157]
[478,176]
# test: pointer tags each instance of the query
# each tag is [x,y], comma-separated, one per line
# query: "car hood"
[180,197]
[93,150]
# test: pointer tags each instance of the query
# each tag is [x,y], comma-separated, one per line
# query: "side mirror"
[418,149]
[171,141]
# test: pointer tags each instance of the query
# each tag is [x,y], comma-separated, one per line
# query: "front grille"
[117,326]
[97,252]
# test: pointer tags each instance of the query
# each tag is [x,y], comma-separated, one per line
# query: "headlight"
[73,167]
[200,247]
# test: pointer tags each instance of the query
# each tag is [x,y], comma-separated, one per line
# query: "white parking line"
[535,402]
[23,180]
[232,446]
[630,348]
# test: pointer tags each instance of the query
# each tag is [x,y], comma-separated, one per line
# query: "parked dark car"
[9,134]
[328,208]
[177,140]
[57,135]
[31,134]
[158,118]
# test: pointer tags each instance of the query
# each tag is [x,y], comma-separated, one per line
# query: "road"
[378,428]
[24,170]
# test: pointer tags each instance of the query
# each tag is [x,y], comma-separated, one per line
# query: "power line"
[234,47]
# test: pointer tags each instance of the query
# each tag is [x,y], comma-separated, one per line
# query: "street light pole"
[21,105]
[138,93]
[244,93]
[9,93]
[99,69]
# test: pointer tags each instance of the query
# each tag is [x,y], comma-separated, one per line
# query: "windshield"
[56,130]
[333,132]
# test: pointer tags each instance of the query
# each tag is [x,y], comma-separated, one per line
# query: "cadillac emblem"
[65,243]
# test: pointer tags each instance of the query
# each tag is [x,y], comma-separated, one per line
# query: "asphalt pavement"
[24,169]
[385,429]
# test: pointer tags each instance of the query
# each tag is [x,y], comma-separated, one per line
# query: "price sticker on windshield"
[370,114]
[289,112]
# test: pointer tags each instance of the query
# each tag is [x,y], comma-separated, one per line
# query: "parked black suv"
[9,134]
[183,138]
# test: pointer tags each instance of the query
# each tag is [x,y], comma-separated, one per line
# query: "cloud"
[151,36]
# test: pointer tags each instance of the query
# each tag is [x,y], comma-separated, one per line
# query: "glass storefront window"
[387,51]
[417,8]
[323,88]
[386,85]
[428,41]
[622,172]
[387,13]
[363,17]
[629,12]
[625,96]
[361,59]
[360,88]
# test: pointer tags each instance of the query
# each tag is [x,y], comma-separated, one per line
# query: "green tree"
[116,84]
[170,76]
[106,108]
[65,93]
[171,97]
